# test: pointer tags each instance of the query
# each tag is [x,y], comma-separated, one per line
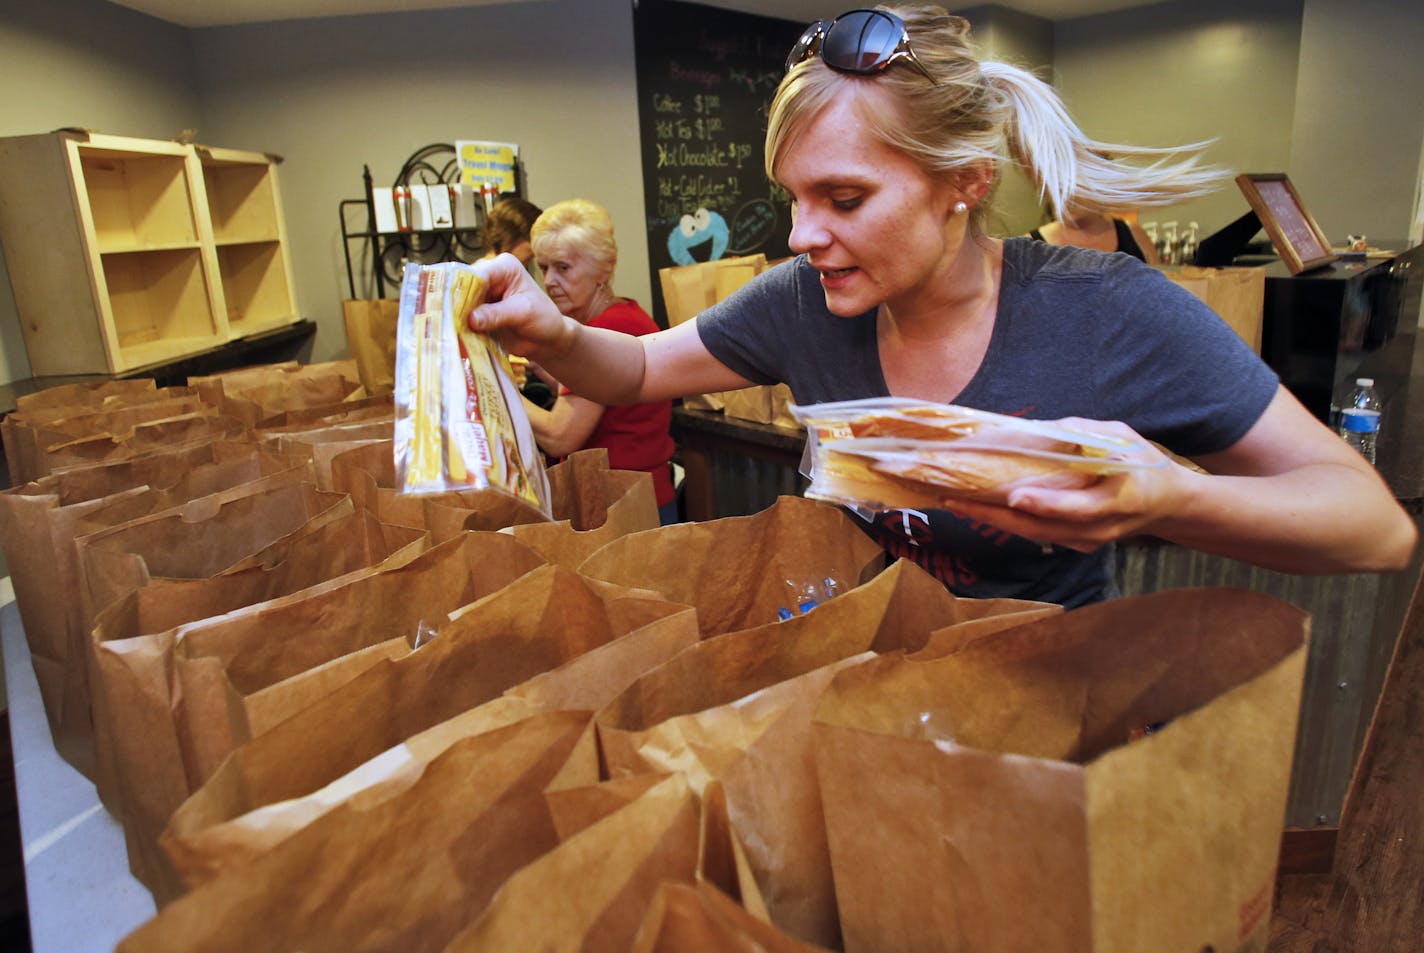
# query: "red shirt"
[636,436]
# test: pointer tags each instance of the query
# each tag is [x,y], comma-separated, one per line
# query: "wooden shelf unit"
[125,253]
[250,238]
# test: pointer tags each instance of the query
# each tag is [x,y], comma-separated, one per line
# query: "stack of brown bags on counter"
[688,290]
[330,716]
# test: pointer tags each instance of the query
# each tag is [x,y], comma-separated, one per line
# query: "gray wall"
[1359,115]
[1327,91]
[1311,87]
[92,65]
[556,77]
[1181,72]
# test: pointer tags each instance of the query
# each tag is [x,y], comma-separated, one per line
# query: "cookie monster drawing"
[696,229]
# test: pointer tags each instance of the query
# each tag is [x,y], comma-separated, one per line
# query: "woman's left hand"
[1086,518]
[1289,495]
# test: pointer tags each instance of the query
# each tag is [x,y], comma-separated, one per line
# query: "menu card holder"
[1298,239]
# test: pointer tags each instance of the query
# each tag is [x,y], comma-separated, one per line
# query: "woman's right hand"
[518,311]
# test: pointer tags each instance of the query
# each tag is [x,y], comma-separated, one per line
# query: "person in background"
[886,132]
[1085,229]
[507,228]
[574,247]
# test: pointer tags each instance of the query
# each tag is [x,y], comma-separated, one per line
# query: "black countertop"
[293,342]
[718,424]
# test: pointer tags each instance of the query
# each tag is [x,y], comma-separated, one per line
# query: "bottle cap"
[1365,381]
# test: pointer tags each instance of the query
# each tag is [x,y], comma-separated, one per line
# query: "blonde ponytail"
[1073,171]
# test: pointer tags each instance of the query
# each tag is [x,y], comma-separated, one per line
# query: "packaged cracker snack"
[460,424]
[887,453]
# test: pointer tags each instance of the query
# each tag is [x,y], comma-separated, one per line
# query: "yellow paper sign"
[487,163]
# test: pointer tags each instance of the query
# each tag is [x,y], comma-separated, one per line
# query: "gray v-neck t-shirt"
[1077,333]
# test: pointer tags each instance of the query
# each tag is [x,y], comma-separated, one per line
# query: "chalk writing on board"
[705,79]
[752,226]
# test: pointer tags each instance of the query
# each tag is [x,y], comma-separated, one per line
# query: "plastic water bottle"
[807,595]
[1360,417]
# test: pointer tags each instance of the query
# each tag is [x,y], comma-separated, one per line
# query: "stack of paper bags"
[688,290]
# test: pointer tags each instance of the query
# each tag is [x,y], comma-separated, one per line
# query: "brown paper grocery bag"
[763,404]
[368,473]
[325,442]
[199,538]
[575,809]
[37,435]
[592,891]
[240,381]
[764,734]
[350,542]
[738,707]
[593,506]
[739,571]
[34,412]
[701,917]
[116,419]
[167,434]
[719,858]
[371,340]
[1238,295]
[40,523]
[995,799]
[38,533]
[688,290]
[307,418]
[411,603]
[553,639]
[256,394]
[171,706]
[185,468]
[52,402]
[86,394]
[338,541]
[251,804]
[403,873]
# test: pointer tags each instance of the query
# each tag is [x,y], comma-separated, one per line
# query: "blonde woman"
[574,247]
[886,131]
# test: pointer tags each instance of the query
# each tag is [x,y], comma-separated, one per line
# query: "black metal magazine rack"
[380,256]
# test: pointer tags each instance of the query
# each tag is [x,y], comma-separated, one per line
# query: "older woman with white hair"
[574,247]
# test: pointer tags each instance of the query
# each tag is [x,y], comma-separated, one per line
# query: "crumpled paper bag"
[1112,779]
[401,873]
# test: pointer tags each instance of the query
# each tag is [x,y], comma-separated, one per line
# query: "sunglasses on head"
[860,42]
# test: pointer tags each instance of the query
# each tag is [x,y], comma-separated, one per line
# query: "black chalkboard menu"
[705,79]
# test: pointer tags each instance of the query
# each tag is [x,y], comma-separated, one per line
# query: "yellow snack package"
[460,423]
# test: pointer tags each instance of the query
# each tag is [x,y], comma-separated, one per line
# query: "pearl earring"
[960,208]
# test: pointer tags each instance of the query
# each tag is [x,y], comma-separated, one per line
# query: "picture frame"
[1297,237]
